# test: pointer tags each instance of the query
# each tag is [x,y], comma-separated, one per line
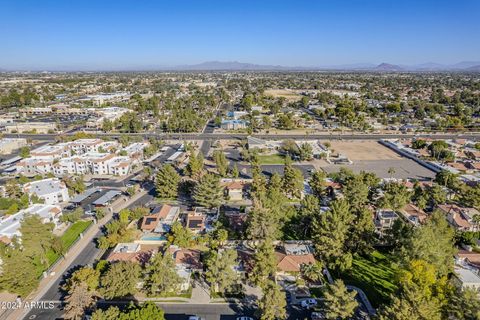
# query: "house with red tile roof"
[291,256]
[413,214]
[160,219]
[461,218]
[132,252]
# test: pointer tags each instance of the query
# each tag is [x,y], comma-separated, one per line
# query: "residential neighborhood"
[333,174]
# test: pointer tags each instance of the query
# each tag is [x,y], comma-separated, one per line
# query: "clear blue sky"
[114,34]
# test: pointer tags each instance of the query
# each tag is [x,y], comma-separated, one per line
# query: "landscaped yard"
[69,237]
[374,274]
[271,159]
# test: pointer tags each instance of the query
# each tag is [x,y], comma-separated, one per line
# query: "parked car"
[308,303]
[194,318]
[89,213]
[244,318]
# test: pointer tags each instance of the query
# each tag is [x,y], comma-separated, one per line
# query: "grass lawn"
[69,237]
[271,159]
[374,274]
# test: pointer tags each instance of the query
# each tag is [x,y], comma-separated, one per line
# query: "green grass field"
[271,159]
[375,275]
[69,237]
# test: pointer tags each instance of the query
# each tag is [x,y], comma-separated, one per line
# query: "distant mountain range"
[385,67]
[469,66]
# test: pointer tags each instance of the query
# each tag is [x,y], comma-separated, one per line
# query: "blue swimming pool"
[153,238]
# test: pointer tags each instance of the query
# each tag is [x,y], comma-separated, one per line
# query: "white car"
[308,303]
[194,318]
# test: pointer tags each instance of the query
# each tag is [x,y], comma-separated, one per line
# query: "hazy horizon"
[109,35]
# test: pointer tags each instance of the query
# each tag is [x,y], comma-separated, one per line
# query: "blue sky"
[136,33]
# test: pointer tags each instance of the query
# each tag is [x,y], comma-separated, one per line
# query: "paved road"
[228,136]
[85,257]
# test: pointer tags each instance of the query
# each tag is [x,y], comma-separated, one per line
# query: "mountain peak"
[388,67]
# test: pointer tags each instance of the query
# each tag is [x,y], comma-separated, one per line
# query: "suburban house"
[160,219]
[236,216]
[291,257]
[468,258]
[187,261]
[465,277]
[51,191]
[234,188]
[413,214]
[384,219]
[196,221]
[460,218]
[132,252]
[10,225]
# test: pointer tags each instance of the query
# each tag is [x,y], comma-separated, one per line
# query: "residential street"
[83,253]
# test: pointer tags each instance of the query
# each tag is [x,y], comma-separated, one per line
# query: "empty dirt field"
[290,95]
[357,150]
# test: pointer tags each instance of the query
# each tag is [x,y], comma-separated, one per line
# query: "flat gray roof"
[80,197]
[106,197]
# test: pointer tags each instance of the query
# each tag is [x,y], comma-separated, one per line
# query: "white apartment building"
[52,191]
[56,151]
[35,165]
[135,150]
[93,163]
[10,225]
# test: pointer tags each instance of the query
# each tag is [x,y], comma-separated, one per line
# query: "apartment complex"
[82,156]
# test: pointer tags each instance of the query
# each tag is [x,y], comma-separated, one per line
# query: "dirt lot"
[290,95]
[363,150]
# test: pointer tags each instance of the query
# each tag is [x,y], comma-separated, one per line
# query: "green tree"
[220,273]
[272,305]
[84,276]
[339,303]
[234,172]
[306,152]
[465,305]
[309,208]
[194,168]
[221,162]
[120,280]
[24,152]
[37,237]
[263,224]
[208,192]
[356,191]
[317,182]
[77,301]
[19,274]
[292,179]
[146,311]
[362,232]
[181,236]
[161,275]
[265,263]
[166,182]
[312,271]
[395,197]
[330,231]
[432,242]
[420,294]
